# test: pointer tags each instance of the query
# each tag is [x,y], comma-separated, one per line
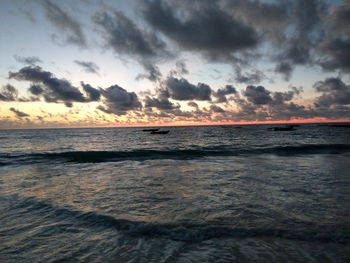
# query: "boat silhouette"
[286,128]
[150,130]
[159,132]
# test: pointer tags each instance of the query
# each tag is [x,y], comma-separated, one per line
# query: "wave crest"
[180,154]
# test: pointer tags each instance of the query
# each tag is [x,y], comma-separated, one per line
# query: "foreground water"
[197,194]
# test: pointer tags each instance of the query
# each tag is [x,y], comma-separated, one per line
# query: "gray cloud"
[335,48]
[339,19]
[160,103]
[338,51]
[257,103]
[260,104]
[53,89]
[220,94]
[32,61]
[36,89]
[268,18]
[280,98]
[88,66]
[206,27]
[192,104]
[126,38]
[181,67]
[216,109]
[334,92]
[18,113]
[253,77]
[153,73]
[119,101]
[8,93]
[308,17]
[92,93]
[65,23]
[181,89]
[285,68]
[258,95]
[231,31]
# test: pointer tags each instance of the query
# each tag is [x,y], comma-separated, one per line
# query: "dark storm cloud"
[181,89]
[205,27]
[232,32]
[160,103]
[119,101]
[284,68]
[340,18]
[258,13]
[126,38]
[308,17]
[53,89]
[253,77]
[336,46]
[8,93]
[216,109]
[93,94]
[279,98]
[260,104]
[293,29]
[192,104]
[266,105]
[153,73]
[88,66]
[36,89]
[220,94]
[257,103]
[64,22]
[180,69]
[32,61]
[258,95]
[338,51]
[334,92]
[300,46]
[18,113]
[287,111]
[35,74]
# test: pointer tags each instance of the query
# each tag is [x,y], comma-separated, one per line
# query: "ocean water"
[197,194]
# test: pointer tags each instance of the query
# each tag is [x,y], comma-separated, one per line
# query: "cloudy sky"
[93,63]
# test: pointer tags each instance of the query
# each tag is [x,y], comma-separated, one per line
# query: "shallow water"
[197,194]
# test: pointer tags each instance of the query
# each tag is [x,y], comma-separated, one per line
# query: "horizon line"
[191,125]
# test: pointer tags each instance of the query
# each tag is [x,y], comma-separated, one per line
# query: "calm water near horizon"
[197,194]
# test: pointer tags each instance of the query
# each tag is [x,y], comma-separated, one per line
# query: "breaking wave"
[179,154]
[186,232]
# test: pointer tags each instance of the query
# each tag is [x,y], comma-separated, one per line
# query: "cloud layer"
[257,41]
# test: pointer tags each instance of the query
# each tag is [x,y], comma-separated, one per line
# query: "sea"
[197,194]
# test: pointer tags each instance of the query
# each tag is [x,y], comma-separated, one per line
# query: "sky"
[100,63]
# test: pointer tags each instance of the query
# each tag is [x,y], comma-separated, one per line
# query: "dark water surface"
[197,194]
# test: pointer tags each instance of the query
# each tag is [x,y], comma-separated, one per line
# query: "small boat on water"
[286,128]
[159,132]
[150,130]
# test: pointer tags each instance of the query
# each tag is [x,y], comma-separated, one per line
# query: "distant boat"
[150,130]
[159,132]
[287,128]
